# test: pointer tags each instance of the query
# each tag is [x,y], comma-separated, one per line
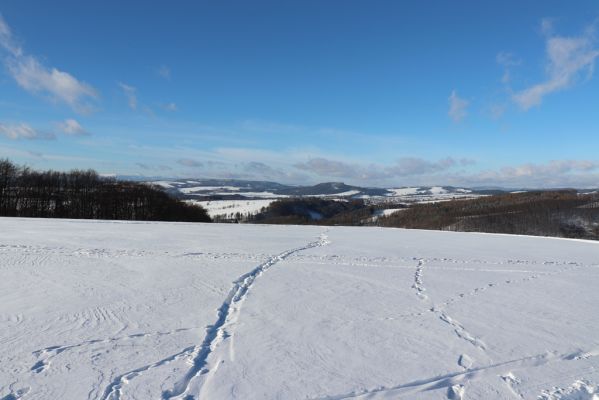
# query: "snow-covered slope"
[113,310]
[229,208]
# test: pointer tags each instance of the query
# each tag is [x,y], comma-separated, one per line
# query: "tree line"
[314,211]
[564,213]
[85,194]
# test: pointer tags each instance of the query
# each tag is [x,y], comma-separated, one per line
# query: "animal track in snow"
[512,382]
[418,286]
[579,390]
[227,313]
[46,354]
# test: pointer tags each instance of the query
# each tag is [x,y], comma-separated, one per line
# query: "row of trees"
[85,194]
[311,211]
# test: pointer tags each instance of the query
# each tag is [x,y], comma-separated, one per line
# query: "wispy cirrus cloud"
[551,174]
[569,60]
[31,75]
[172,107]
[403,167]
[24,131]
[72,128]
[190,163]
[458,107]
[164,72]
[507,60]
[331,168]
[295,166]
[457,172]
[130,93]
[151,167]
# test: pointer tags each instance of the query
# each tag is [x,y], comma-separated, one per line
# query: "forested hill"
[564,213]
[85,194]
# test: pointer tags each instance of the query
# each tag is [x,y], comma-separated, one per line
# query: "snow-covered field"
[426,195]
[114,310]
[228,208]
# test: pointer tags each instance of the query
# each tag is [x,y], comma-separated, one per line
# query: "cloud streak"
[72,128]
[507,61]
[190,163]
[569,59]
[402,168]
[149,167]
[34,77]
[164,72]
[452,171]
[552,174]
[131,94]
[23,131]
[458,107]
[172,107]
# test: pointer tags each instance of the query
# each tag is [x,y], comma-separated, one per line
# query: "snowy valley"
[225,198]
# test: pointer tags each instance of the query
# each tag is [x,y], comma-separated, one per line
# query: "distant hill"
[231,189]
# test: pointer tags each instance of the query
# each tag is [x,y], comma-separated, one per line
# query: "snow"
[429,195]
[264,195]
[188,190]
[405,191]
[385,212]
[225,208]
[340,194]
[346,193]
[388,211]
[437,190]
[579,390]
[115,310]
[164,184]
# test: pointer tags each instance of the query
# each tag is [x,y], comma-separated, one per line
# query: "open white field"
[228,208]
[109,310]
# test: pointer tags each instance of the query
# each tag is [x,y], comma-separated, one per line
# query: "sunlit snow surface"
[112,310]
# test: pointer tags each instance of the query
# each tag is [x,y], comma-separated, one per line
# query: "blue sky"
[377,93]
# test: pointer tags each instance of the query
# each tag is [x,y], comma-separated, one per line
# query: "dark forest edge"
[562,213]
[83,194]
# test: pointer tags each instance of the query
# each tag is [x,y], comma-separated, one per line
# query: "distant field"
[230,208]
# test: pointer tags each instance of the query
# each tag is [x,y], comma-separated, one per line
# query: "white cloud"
[164,72]
[170,107]
[131,94]
[188,162]
[552,168]
[23,131]
[151,167]
[547,26]
[72,127]
[552,174]
[403,167]
[261,170]
[568,59]
[496,111]
[457,107]
[36,78]
[507,61]
[452,171]
[309,166]
[7,41]
[331,168]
